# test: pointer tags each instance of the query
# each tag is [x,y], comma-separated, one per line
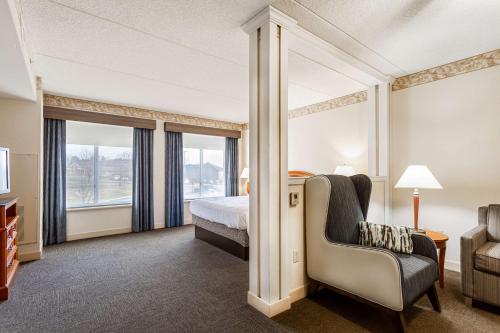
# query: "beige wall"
[450,125]
[319,142]
[96,222]
[453,127]
[21,131]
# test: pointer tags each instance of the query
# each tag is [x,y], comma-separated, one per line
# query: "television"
[4,171]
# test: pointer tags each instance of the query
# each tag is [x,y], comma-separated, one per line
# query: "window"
[98,165]
[203,166]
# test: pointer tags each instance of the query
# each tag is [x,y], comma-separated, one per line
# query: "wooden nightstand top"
[436,236]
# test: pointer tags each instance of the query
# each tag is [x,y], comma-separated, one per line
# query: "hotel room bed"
[223,223]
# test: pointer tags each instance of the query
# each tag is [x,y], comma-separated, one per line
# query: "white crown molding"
[268,14]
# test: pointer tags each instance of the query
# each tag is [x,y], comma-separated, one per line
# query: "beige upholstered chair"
[480,258]
[392,281]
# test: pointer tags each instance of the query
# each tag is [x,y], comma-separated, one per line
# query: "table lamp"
[344,170]
[245,174]
[417,177]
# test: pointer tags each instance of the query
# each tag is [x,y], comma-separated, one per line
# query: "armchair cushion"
[493,229]
[487,258]
[394,238]
[419,273]
[345,209]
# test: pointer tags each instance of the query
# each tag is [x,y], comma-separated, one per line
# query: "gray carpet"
[166,280]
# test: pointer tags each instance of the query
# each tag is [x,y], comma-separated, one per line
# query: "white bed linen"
[230,211]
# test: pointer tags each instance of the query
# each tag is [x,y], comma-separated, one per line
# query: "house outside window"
[203,166]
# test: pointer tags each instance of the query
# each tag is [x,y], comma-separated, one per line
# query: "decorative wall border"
[357,97]
[120,110]
[480,61]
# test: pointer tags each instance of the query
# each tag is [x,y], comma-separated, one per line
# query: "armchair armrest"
[371,273]
[424,245]
[469,243]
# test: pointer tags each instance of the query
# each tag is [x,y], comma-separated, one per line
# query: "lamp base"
[418,231]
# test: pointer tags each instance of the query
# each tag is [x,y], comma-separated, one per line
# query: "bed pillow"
[394,238]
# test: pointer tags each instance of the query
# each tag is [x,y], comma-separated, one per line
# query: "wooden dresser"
[8,244]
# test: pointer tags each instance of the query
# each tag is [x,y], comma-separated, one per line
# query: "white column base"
[269,310]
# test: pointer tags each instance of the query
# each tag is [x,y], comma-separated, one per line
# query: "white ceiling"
[16,79]
[191,57]
[415,35]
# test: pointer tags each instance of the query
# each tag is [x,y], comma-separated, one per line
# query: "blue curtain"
[231,167]
[142,188]
[54,181]
[174,192]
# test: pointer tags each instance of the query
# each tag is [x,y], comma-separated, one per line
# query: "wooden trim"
[52,112]
[175,127]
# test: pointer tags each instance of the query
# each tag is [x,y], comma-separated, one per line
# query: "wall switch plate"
[294,199]
[295,256]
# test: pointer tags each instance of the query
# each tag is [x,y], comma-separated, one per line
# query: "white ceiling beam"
[318,50]
[16,79]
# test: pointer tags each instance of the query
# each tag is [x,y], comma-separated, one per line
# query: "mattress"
[229,211]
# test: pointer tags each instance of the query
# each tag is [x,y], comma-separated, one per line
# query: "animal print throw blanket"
[394,238]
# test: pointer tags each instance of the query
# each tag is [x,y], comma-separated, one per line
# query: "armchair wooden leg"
[401,322]
[433,297]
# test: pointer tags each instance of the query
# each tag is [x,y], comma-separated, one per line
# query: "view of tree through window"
[203,167]
[98,175]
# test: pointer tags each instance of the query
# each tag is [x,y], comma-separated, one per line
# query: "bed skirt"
[231,240]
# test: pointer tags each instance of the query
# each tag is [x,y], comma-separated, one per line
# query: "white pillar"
[372,132]
[269,255]
[378,139]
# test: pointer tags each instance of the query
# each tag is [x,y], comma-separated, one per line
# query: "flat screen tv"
[4,171]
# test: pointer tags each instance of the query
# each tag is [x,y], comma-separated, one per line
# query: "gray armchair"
[334,207]
[480,258]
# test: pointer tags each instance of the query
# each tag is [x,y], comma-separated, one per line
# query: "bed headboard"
[299,173]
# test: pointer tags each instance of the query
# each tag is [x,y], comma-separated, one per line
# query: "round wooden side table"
[440,241]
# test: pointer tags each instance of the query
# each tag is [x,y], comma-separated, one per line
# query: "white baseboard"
[101,233]
[270,310]
[452,265]
[30,256]
[298,294]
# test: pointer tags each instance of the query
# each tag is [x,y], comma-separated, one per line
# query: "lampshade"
[418,176]
[344,170]
[244,174]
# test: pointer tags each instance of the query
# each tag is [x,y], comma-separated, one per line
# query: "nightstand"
[440,240]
